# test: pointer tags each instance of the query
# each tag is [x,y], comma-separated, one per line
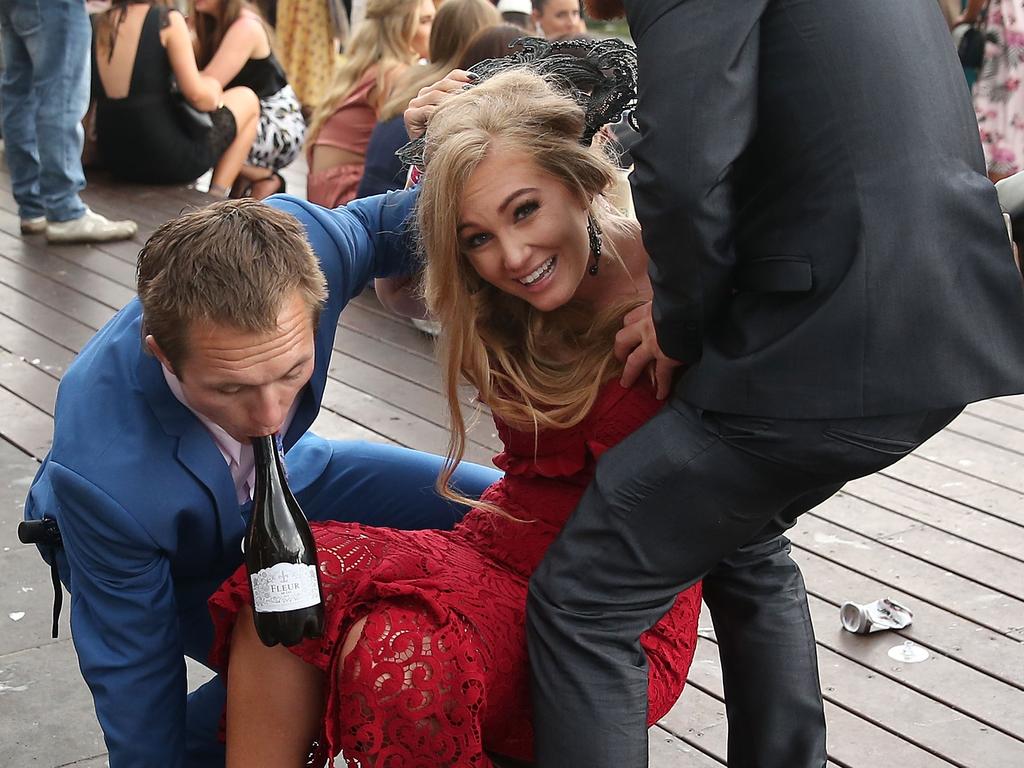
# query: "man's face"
[243,381]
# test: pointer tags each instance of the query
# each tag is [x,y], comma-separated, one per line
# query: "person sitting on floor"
[144,131]
[393,36]
[150,474]
[423,659]
[455,25]
[233,46]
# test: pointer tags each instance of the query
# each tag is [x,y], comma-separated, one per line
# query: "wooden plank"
[397,332]
[68,302]
[974,492]
[853,741]
[976,459]
[666,751]
[1006,436]
[69,274]
[980,564]
[38,350]
[334,427]
[24,426]
[409,396]
[976,602]
[401,426]
[999,411]
[944,514]
[59,328]
[36,387]
[698,719]
[943,679]
[996,654]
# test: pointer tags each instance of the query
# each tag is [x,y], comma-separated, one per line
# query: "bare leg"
[263,182]
[275,702]
[246,108]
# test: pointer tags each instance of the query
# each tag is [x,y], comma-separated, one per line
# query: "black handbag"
[971,49]
[193,122]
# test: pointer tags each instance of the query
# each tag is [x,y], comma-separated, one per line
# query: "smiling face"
[523,230]
[559,18]
[246,381]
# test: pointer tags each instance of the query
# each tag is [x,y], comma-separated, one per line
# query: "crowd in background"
[234,88]
[239,88]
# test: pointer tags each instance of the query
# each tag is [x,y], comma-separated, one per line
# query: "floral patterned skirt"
[281,131]
[998,96]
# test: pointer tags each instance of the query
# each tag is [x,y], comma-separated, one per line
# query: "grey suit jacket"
[812,191]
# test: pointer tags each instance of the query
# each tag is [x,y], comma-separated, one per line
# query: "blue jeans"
[45,94]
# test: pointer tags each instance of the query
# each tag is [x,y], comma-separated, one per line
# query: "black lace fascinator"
[599,75]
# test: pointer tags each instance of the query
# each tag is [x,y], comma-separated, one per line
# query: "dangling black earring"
[594,235]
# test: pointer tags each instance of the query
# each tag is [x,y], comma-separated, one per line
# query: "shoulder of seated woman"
[250,25]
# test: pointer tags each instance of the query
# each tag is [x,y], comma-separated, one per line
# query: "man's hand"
[417,115]
[637,346]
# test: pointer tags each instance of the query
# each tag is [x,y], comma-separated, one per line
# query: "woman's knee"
[243,103]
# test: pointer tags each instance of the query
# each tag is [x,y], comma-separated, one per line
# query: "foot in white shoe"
[33,226]
[89,228]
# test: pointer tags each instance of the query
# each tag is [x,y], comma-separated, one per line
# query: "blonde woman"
[234,47]
[424,659]
[456,24]
[393,36]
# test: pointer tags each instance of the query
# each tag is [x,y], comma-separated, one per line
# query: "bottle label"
[285,587]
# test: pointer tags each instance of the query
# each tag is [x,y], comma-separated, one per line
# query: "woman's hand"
[429,98]
[636,345]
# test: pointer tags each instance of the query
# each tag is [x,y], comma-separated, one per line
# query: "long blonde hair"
[382,40]
[535,370]
[455,25]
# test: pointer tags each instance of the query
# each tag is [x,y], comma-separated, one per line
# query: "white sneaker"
[89,228]
[34,226]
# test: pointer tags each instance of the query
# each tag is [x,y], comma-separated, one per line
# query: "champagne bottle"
[280,555]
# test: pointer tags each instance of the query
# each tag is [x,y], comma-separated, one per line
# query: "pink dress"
[348,128]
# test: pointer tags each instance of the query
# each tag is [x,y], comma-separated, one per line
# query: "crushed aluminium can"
[874,617]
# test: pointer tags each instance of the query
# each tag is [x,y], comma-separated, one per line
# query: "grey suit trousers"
[690,495]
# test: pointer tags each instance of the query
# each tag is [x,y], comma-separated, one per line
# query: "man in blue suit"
[150,472]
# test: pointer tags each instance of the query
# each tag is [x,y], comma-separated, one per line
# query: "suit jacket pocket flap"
[786,274]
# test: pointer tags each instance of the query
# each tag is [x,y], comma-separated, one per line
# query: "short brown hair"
[234,263]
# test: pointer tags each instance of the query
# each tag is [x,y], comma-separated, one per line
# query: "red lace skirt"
[439,671]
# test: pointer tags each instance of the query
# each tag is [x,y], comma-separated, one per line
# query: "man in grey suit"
[830,263]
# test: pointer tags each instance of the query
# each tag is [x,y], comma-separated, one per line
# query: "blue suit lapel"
[312,396]
[196,450]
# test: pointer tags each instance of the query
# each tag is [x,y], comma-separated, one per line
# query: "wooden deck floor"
[942,532]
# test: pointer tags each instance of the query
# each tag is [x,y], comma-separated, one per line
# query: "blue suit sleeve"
[368,238]
[697,110]
[124,624]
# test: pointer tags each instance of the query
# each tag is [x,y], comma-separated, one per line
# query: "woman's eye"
[475,241]
[525,210]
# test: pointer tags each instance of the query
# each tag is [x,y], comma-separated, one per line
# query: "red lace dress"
[439,673]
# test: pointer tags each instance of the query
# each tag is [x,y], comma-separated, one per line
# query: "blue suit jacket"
[146,504]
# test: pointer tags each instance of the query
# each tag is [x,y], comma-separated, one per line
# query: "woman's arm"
[245,39]
[401,295]
[202,92]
